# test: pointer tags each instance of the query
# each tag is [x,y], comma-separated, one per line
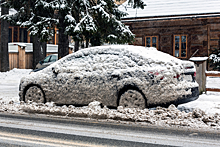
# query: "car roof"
[144,57]
[149,53]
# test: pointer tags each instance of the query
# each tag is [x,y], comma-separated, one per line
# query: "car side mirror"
[41,62]
[56,70]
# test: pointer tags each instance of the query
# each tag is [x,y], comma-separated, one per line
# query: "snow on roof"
[13,47]
[198,58]
[52,48]
[172,7]
[11,11]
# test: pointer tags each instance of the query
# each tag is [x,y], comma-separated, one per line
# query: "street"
[33,130]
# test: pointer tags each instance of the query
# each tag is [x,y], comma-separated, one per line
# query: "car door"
[71,80]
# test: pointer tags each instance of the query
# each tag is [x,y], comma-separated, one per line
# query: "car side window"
[97,62]
[105,61]
[47,59]
[53,58]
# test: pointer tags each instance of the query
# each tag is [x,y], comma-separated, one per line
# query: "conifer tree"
[96,21]
[214,59]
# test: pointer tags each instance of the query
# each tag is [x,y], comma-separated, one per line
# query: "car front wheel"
[132,99]
[34,94]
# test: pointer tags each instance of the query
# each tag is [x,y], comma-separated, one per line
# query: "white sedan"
[130,76]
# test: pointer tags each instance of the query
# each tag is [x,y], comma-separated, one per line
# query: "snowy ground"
[202,113]
[209,102]
[9,83]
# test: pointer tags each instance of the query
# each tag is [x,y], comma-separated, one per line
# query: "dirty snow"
[202,113]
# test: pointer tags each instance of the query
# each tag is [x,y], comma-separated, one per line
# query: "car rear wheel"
[132,99]
[34,94]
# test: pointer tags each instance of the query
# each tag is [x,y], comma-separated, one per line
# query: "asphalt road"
[35,130]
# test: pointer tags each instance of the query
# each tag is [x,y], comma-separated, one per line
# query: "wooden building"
[20,45]
[182,28]
[21,34]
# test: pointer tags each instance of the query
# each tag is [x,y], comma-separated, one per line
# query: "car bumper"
[184,99]
[187,98]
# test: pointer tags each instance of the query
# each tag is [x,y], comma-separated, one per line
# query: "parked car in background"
[47,61]
[117,75]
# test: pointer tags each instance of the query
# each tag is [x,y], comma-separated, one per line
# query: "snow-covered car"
[47,61]
[117,75]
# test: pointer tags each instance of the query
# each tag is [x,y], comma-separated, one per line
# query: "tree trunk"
[4,41]
[38,54]
[76,46]
[87,43]
[63,45]
[44,47]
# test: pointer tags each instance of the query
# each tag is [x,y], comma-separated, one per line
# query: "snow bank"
[13,76]
[170,116]
[9,83]
[202,113]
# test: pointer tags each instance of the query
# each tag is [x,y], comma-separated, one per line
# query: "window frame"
[151,41]
[180,46]
[22,32]
[12,34]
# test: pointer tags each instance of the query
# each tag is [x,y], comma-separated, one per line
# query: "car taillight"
[156,74]
[194,74]
[189,67]
[177,76]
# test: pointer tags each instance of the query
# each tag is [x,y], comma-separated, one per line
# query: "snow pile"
[170,116]
[9,83]
[13,74]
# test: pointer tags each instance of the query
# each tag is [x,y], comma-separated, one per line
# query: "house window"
[180,46]
[10,34]
[55,38]
[151,41]
[23,35]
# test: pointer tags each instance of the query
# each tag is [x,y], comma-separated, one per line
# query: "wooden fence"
[20,59]
[213,75]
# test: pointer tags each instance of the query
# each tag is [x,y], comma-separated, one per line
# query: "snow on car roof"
[148,56]
[140,51]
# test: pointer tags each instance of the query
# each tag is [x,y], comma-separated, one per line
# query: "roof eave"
[171,17]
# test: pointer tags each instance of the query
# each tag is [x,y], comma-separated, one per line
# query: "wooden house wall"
[29,60]
[202,33]
[13,60]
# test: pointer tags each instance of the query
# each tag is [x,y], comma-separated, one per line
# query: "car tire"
[34,94]
[132,99]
